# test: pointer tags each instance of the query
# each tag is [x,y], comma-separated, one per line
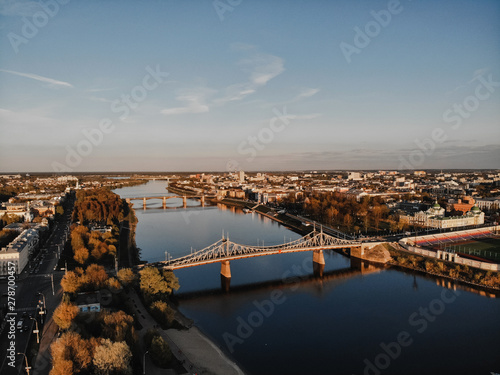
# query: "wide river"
[279,319]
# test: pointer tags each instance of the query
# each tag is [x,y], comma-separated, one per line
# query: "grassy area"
[488,248]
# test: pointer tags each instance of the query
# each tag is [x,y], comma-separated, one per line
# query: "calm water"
[339,324]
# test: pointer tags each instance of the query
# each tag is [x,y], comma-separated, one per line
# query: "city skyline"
[215,86]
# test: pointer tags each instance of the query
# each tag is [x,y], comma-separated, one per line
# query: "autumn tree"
[162,313]
[64,315]
[71,282]
[126,276]
[348,221]
[96,276]
[71,354]
[112,358]
[118,326]
[161,354]
[81,255]
[155,284]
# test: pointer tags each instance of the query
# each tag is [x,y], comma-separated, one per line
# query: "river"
[279,319]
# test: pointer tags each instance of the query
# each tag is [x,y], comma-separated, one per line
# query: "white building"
[434,218]
[488,203]
[18,251]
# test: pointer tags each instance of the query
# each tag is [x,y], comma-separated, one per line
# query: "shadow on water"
[317,281]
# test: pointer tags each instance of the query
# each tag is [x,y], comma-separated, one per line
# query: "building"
[434,218]
[492,203]
[463,205]
[19,251]
[89,302]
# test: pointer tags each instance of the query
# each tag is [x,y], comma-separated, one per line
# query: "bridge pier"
[225,275]
[164,202]
[225,269]
[202,200]
[318,263]
[184,201]
[144,203]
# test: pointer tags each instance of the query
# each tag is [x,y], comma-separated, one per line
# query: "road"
[37,277]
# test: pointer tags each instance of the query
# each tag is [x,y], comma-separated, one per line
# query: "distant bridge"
[224,251]
[165,198]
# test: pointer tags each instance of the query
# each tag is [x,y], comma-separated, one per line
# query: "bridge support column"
[225,275]
[225,269]
[184,201]
[318,263]
[202,200]
[164,202]
[144,203]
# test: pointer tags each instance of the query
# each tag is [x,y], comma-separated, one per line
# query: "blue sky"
[257,85]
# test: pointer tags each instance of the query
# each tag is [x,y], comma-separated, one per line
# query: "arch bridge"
[164,199]
[224,251]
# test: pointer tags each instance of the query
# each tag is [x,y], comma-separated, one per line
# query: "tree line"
[343,210]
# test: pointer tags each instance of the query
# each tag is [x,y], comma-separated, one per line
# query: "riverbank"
[192,349]
[436,267]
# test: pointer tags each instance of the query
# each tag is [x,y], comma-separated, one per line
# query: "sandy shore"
[202,352]
[191,347]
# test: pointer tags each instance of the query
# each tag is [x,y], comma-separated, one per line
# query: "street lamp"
[143,363]
[27,368]
[43,311]
[36,330]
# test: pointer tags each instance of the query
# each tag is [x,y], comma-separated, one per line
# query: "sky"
[120,85]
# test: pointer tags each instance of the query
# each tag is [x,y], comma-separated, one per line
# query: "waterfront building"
[18,251]
[434,218]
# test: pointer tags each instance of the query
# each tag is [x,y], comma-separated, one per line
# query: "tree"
[81,255]
[96,276]
[59,210]
[155,284]
[64,314]
[71,282]
[118,326]
[160,352]
[113,284]
[126,276]
[348,221]
[71,354]
[163,313]
[112,358]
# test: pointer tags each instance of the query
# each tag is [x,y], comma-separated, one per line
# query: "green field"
[488,248]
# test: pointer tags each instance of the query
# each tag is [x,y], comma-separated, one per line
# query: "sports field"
[488,248]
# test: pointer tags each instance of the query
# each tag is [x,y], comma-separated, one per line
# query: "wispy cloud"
[307,93]
[100,90]
[98,99]
[50,81]
[309,116]
[261,68]
[195,101]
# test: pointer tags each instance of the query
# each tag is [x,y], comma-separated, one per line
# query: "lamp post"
[36,330]
[42,312]
[27,368]
[143,363]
